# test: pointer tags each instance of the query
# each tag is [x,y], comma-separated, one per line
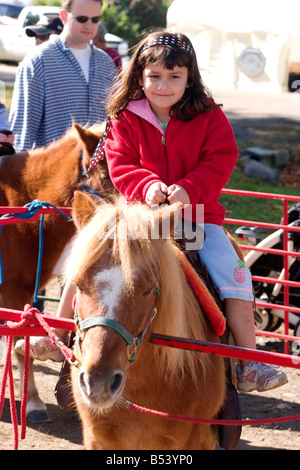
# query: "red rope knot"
[34,317]
[28,318]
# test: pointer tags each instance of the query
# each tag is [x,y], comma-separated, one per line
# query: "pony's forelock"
[113,227]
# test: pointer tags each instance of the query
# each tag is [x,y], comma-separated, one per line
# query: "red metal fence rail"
[286,199]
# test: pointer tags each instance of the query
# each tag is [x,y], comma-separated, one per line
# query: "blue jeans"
[230,275]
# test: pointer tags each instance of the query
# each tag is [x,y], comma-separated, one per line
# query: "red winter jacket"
[198,155]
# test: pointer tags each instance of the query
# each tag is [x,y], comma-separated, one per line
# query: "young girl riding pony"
[169,141]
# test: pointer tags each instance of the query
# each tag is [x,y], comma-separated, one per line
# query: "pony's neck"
[52,172]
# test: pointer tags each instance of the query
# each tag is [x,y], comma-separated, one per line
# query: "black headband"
[169,40]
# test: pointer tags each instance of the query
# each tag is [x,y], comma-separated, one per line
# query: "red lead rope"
[7,373]
[30,317]
[221,422]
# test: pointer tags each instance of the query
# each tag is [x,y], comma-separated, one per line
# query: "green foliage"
[117,22]
[253,208]
[131,19]
[52,3]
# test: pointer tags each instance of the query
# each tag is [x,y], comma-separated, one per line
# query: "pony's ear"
[89,138]
[83,209]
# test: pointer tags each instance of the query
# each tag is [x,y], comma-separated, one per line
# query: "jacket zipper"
[163,143]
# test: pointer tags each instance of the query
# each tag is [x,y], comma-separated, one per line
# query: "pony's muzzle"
[101,390]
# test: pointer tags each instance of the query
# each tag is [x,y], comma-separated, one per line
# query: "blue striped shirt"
[4,124]
[51,93]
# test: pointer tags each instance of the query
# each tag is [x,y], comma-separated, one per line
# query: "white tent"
[245,45]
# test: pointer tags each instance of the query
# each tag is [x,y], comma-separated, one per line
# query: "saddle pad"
[202,294]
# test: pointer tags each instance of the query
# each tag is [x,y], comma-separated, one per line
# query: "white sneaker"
[260,377]
[41,348]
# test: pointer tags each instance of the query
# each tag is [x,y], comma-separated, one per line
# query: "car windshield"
[12,11]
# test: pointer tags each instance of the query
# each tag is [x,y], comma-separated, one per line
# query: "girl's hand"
[177,193]
[156,193]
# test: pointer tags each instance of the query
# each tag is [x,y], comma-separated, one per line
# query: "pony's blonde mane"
[124,229]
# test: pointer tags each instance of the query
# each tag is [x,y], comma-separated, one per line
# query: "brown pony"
[51,175]
[127,280]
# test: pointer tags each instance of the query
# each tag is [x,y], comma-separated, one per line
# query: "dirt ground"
[64,431]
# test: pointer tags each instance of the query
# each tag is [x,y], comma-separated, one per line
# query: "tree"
[130,19]
[149,14]
[118,22]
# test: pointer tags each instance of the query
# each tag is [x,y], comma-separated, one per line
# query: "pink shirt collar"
[142,108]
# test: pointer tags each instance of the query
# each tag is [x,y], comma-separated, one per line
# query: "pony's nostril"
[84,384]
[116,382]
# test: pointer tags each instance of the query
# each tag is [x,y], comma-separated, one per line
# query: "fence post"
[286,291]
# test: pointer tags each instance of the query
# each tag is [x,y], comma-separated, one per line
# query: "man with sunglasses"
[64,80]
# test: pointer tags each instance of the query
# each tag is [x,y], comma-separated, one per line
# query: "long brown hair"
[196,99]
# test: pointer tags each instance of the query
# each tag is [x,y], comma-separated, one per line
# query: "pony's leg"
[36,410]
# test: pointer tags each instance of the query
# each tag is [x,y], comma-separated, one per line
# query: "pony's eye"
[147,292]
[79,288]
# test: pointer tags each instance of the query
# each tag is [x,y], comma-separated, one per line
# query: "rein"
[133,342]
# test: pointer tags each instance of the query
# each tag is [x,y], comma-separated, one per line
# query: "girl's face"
[163,87]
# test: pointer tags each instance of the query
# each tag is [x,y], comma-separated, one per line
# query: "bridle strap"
[109,322]
[132,341]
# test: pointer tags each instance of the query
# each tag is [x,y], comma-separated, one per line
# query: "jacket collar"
[143,109]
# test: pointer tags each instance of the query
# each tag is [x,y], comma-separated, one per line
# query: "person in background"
[6,136]
[64,80]
[48,25]
[99,41]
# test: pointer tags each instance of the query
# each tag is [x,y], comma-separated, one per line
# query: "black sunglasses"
[85,19]
[43,37]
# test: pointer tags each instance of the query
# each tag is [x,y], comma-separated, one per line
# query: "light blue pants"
[230,275]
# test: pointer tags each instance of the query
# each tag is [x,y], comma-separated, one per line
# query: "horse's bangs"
[87,246]
[113,228]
